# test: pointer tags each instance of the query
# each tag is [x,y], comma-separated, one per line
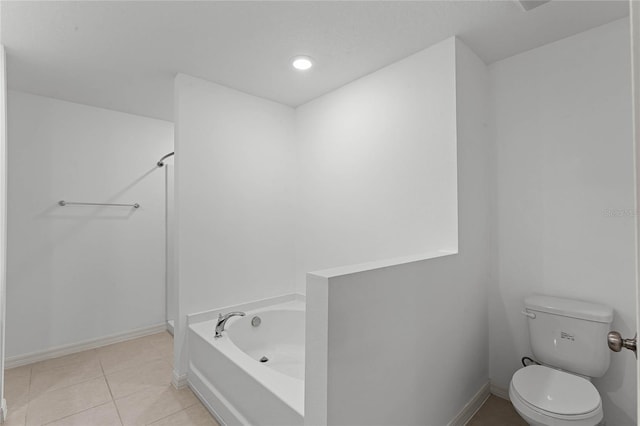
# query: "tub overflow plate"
[256,321]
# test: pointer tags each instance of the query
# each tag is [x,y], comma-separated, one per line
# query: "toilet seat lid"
[555,391]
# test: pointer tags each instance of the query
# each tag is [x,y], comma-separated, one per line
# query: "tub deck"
[237,388]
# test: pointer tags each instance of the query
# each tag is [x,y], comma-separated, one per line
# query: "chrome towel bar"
[72,203]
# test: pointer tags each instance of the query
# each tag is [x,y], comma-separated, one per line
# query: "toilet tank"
[569,334]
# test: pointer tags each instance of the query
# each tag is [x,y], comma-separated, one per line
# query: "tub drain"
[264,359]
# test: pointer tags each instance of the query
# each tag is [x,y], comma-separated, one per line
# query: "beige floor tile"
[17,414]
[163,342]
[497,412]
[163,337]
[169,358]
[195,415]
[66,375]
[165,347]
[71,390]
[16,388]
[102,415]
[155,374]
[145,407]
[64,402]
[79,358]
[127,354]
[25,370]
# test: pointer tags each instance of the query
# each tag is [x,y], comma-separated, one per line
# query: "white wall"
[80,273]
[398,344]
[565,179]
[395,354]
[235,160]
[3,221]
[172,279]
[377,166]
[635,44]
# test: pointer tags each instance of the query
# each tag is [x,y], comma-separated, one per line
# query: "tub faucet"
[222,321]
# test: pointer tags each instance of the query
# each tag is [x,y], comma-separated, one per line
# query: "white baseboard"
[179,381]
[499,392]
[58,351]
[170,326]
[3,410]
[471,407]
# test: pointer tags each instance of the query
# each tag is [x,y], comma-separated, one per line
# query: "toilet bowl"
[544,396]
[568,340]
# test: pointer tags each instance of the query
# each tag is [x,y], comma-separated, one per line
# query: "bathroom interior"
[318,213]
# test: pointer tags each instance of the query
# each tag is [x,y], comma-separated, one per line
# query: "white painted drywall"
[172,280]
[80,273]
[234,171]
[399,344]
[377,166]
[3,221]
[565,180]
[391,344]
[635,54]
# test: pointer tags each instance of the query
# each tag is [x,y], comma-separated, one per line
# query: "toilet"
[569,338]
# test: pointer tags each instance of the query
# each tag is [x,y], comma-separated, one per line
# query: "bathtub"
[228,376]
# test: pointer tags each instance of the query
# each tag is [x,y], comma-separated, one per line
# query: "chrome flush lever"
[616,342]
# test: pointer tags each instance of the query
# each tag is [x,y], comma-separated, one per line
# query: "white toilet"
[569,338]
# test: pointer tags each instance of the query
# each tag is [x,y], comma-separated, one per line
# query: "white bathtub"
[228,375]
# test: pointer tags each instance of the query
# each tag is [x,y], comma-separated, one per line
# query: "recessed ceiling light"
[302,63]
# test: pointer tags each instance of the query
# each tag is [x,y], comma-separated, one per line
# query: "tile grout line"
[133,393]
[137,368]
[176,412]
[169,415]
[157,348]
[31,373]
[26,412]
[83,410]
[30,399]
[54,389]
[79,412]
[113,400]
[63,387]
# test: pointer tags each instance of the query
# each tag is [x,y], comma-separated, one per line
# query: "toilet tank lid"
[570,308]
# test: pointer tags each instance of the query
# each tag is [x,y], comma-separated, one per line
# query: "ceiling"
[123,55]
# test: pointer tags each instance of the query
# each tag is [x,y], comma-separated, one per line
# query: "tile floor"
[129,383]
[496,412]
[124,384]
